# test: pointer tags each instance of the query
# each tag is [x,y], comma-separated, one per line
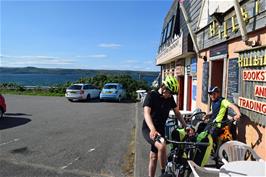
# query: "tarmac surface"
[52,137]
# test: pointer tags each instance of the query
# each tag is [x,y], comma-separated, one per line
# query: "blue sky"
[84,34]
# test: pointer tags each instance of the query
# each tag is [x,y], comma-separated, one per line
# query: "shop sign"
[218,50]
[255,58]
[252,59]
[254,75]
[252,105]
[222,29]
[260,91]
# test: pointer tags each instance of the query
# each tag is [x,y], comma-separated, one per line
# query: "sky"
[82,34]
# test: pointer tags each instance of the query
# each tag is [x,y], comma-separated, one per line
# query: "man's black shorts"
[146,135]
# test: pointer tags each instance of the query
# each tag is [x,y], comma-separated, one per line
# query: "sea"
[52,79]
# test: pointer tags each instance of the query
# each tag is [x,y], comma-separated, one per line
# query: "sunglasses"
[169,91]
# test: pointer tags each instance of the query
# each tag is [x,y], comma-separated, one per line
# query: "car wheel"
[1,113]
[70,100]
[88,97]
[119,98]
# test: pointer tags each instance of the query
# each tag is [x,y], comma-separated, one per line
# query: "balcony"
[170,50]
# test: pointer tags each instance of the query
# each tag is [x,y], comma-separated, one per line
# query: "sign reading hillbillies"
[246,61]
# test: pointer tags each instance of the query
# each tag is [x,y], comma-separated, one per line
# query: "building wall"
[237,44]
[174,55]
[255,20]
[249,132]
[199,103]
[254,133]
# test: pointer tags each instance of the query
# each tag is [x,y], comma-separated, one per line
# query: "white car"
[82,92]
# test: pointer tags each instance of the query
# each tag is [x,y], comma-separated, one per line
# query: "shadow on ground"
[13,120]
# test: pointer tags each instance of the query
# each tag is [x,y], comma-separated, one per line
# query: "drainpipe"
[193,37]
[241,22]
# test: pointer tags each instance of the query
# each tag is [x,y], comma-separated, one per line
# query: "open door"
[181,92]
[217,73]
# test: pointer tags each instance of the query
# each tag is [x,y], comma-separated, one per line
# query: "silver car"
[82,92]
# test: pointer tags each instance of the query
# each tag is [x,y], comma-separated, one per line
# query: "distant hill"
[34,70]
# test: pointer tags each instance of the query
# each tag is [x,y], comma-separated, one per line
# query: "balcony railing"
[170,50]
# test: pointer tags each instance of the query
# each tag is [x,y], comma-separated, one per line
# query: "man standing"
[157,105]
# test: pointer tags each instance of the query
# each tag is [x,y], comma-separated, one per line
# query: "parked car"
[82,92]
[2,106]
[113,91]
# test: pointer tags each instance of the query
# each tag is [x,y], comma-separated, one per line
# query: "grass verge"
[129,158]
[30,92]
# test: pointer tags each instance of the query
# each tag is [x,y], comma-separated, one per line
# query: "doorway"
[181,92]
[217,73]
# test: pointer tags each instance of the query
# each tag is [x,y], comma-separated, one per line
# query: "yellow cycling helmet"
[172,84]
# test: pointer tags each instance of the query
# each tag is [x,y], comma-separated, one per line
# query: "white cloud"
[21,61]
[149,62]
[130,67]
[131,61]
[93,56]
[109,45]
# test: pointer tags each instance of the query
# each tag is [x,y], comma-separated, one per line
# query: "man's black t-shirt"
[160,108]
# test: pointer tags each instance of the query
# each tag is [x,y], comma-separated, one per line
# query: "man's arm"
[236,110]
[148,120]
[207,116]
[180,117]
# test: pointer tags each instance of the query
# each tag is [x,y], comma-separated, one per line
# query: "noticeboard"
[205,82]
[233,78]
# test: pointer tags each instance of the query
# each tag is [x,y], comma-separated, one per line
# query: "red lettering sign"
[254,75]
[252,105]
[260,91]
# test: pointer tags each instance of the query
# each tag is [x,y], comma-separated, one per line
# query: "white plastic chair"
[202,171]
[236,151]
[143,96]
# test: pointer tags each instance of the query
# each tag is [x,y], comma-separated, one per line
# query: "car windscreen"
[110,87]
[75,87]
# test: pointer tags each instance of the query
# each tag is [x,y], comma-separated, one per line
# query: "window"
[165,33]
[75,87]
[85,87]
[110,87]
[162,37]
[170,25]
[90,87]
[177,21]
[93,87]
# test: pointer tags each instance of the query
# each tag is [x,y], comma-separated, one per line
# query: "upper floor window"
[167,31]
[170,26]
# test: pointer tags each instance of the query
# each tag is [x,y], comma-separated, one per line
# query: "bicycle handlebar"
[222,122]
[188,143]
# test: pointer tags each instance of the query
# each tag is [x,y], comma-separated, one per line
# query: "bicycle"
[204,129]
[182,150]
[178,156]
[177,162]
